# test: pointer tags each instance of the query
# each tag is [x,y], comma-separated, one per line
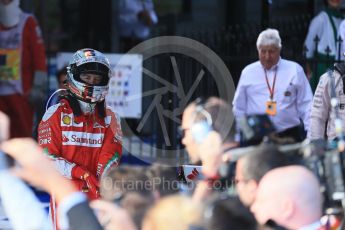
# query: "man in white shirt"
[274,86]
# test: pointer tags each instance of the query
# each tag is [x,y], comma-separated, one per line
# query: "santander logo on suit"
[82,139]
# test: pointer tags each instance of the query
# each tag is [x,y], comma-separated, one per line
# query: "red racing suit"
[22,55]
[91,142]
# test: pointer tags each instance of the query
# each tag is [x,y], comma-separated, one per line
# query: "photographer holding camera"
[200,118]
[206,126]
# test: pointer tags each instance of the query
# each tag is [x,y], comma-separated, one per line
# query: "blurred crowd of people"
[239,184]
[273,189]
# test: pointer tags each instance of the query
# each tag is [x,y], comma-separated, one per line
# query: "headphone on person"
[201,128]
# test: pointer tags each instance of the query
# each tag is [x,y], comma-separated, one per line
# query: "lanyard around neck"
[274,82]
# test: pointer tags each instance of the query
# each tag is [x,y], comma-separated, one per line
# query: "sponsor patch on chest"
[67,120]
[93,140]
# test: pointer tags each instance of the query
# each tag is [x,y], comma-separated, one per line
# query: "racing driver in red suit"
[80,134]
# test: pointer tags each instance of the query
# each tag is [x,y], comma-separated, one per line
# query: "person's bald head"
[290,196]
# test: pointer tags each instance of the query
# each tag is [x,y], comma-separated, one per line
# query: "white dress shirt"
[292,93]
[66,204]
[21,206]
[25,211]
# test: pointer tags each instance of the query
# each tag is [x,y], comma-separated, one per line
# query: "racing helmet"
[88,61]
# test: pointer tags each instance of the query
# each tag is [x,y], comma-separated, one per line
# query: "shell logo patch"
[66,120]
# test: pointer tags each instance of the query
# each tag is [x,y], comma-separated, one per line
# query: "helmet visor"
[94,68]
